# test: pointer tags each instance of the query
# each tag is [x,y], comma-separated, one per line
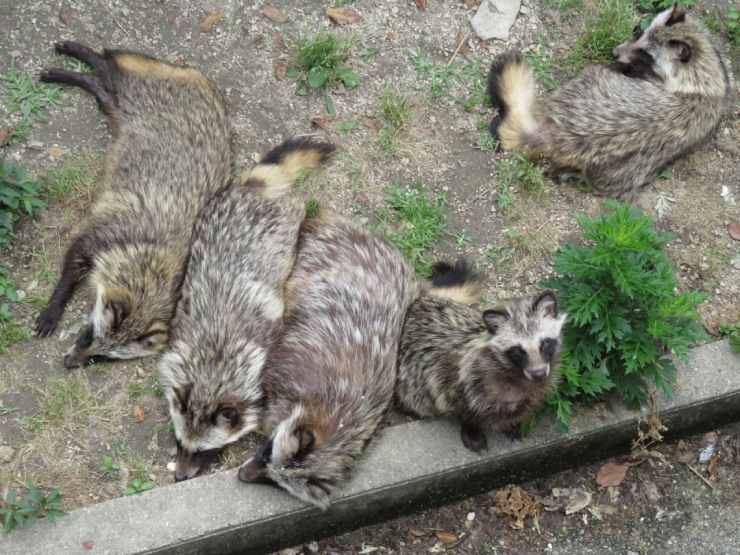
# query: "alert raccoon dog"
[243,249]
[330,378]
[492,366]
[171,151]
[621,124]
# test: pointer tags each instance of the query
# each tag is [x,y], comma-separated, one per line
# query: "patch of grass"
[564,5]
[733,333]
[519,248]
[608,25]
[8,293]
[541,63]
[72,176]
[461,238]
[395,113]
[312,208]
[413,222]
[730,25]
[139,486]
[137,389]
[11,333]
[345,127]
[24,95]
[19,511]
[653,6]
[66,399]
[19,194]
[522,171]
[444,78]
[33,424]
[319,64]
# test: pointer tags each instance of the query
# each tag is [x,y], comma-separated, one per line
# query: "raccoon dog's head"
[118,329]
[526,338]
[296,459]
[668,51]
[214,398]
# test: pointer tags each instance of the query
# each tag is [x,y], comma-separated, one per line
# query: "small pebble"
[171,466]
[471,517]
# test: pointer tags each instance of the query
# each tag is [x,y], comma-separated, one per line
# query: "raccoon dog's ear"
[678,15]
[546,304]
[494,319]
[681,49]
[118,305]
[182,394]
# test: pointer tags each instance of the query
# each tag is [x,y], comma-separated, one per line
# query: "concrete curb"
[409,468]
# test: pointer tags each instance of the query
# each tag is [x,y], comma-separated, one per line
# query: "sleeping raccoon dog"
[493,366]
[620,125]
[242,251]
[330,377]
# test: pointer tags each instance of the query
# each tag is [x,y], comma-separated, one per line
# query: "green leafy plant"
[653,6]
[312,208]
[319,64]
[733,334]
[138,486]
[607,26]
[520,170]
[732,22]
[541,63]
[18,194]
[414,222]
[625,319]
[33,505]
[28,97]
[442,79]
[108,468]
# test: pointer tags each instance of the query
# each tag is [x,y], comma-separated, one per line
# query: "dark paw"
[47,321]
[64,47]
[514,434]
[493,128]
[474,439]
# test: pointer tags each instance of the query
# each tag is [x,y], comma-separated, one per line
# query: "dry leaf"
[88,545]
[343,16]
[446,537]
[712,467]
[611,474]
[371,123]
[55,152]
[734,231]
[578,500]
[322,122]
[421,4]
[279,69]
[139,413]
[65,16]
[273,14]
[278,40]
[471,3]
[417,533]
[210,21]
[460,40]
[517,504]
[5,133]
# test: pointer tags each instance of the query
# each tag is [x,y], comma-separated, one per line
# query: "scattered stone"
[343,16]
[65,16]
[651,491]
[274,15]
[6,454]
[494,18]
[471,517]
[172,452]
[313,547]
[55,152]
[35,145]
[727,195]
[210,21]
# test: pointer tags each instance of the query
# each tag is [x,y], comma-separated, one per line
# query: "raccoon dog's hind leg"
[99,84]
[511,86]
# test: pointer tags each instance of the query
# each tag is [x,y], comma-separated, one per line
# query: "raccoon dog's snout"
[537,374]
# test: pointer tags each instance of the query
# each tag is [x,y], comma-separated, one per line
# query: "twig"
[703,479]
[459,46]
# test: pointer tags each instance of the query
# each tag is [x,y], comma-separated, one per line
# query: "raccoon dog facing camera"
[495,366]
[231,307]
[330,378]
[621,124]
[171,151]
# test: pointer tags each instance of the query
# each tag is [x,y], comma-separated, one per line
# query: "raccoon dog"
[496,366]
[243,248]
[330,377]
[621,124]
[171,151]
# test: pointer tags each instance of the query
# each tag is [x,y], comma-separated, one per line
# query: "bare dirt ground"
[60,425]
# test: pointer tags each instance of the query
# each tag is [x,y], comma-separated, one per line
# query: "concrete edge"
[410,467]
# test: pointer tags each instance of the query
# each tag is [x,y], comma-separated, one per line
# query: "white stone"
[171,466]
[6,454]
[494,18]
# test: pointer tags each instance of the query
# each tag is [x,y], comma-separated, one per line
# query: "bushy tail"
[284,164]
[457,283]
[511,85]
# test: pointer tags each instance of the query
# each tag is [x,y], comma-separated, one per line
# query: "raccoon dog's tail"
[511,86]
[456,282]
[284,164]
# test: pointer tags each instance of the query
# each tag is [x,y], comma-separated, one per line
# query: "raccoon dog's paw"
[47,321]
[473,437]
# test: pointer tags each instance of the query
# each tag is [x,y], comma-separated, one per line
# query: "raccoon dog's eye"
[517,356]
[548,347]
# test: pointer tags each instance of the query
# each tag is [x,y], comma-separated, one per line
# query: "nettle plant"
[626,321]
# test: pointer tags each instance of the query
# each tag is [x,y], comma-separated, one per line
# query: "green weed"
[108,468]
[541,63]
[11,333]
[733,333]
[441,80]
[139,486]
[73,175]
[26,96]
[520,170]
[67,398]
[345,127]
[319,64]
[654,6]
[312,208]
[395,113]
[414,222]
[624,316]
[26,510]
[19,194]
